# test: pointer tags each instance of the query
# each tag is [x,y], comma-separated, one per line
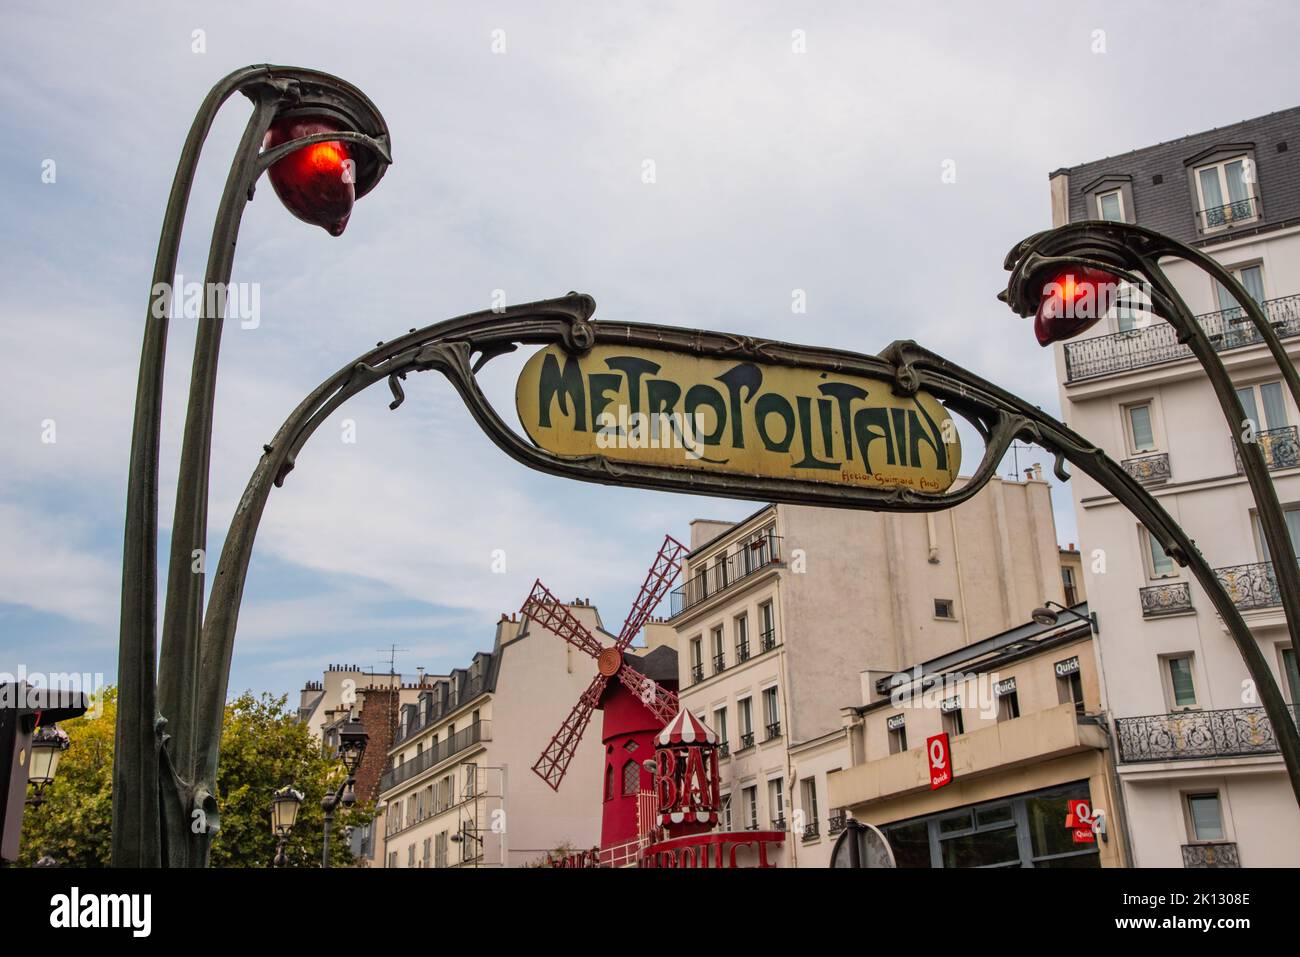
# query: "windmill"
[544,609]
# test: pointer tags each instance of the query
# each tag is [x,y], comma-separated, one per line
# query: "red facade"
[628,731]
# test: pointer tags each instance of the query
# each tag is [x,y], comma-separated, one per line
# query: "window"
[1290,674]
[720,726]
[410,856]
[1205,817]
[1265,396]
[1110,206]
[426,857]
[1070,586]
[1159,565]
[776,803]
[1226,193]
[631,778]
[952,721]
[767,624]
[440,850]
[1025,831]
[1141,435]
[1069,686]
[1251,277]
[808,792]
[697,653]
[749,807]
[771,713]
[1291,515]
[720,571]
[896,729]
[719,652]
[1181,687]
[1008,706]
[745,707]
[471,780]
[609,782]
[943,608]
[725,811]
[742,638]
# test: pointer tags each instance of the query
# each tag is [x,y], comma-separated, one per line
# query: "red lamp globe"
[1073,299]
[316,183]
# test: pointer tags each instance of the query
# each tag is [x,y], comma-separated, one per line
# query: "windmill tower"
[635,707]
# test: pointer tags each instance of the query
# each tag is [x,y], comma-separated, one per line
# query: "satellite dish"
[862,845]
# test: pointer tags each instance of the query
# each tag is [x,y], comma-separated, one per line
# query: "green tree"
[263,747]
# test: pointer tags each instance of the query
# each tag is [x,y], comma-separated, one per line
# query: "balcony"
[1148,469]
[773,731]
[724,750]
[1280,447]
[440,709]
[1170,598]
[838,821]
[1217,854]
[767,640]
[746,740]
[1235,213]
[778,824]
[735,568]
[697,673]
[719,664]
[742,652]
[436,754]
[1250,586]
[1192,735]
[811,831]
[1157,343]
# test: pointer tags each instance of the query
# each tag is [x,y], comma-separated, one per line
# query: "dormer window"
[1110,206]
[1226,193]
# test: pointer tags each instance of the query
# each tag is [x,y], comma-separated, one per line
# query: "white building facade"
[1201,777]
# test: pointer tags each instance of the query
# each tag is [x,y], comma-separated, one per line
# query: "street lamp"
[325,145]
[1049,613]
[352,748]
[48,745]
[284,812]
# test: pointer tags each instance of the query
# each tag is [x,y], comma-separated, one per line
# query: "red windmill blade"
[663,572]
[546,610]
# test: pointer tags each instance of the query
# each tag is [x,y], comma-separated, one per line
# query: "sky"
[880,158]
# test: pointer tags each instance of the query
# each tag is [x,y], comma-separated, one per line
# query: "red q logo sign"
[940,760]
[1080,819]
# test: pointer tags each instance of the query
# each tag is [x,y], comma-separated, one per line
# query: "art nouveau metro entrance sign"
[662,408]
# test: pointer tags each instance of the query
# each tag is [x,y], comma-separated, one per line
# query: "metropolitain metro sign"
[664,408]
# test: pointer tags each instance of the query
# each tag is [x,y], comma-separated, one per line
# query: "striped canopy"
[686,729]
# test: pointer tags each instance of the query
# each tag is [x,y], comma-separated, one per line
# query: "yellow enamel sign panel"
[656,407]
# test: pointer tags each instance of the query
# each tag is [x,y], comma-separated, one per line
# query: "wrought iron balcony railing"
[724,750]
[750,557]
[1250,586]
[773,730]
[1148,469]
[437,710]
[719,664]
[746,740]
[837,822]
[436,754]
[1214,218]
[1280,447]
[778,824]
[697,673]
[1156,343]
[1215,854]
[742,652]
[1188,735]
[811,831]
[768,639]
[1167,598]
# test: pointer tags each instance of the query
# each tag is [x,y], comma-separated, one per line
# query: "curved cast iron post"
[448,347]
[152,796]
[923,369]
[1132,253]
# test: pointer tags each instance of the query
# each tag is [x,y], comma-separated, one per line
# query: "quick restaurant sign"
[665,408]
